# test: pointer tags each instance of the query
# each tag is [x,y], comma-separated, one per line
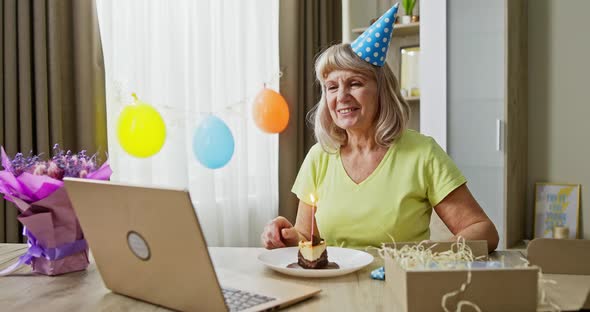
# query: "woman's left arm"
[465,217]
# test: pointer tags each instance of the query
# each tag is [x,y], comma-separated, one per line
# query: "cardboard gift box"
[491,289]
[566,263]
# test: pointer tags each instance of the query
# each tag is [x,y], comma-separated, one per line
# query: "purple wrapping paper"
[53,222]
[47,213]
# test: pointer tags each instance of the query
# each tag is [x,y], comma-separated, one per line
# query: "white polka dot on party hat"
[373,39]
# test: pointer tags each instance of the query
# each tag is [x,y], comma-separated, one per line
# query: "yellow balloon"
[140,129]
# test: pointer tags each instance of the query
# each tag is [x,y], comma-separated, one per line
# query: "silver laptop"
[147,244]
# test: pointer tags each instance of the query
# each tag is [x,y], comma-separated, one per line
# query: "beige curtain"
[51,83]
[306,27]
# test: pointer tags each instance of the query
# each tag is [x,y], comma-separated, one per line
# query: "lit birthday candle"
[312,253]
[312,215]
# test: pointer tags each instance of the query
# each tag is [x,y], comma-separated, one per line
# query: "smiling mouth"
[347,110]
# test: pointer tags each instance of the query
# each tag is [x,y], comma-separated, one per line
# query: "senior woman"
[373,178]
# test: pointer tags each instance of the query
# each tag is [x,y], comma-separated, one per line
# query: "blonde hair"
[393,113]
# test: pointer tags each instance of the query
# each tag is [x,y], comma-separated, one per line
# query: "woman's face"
[352,99]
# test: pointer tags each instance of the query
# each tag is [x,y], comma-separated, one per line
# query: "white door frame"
[433,70]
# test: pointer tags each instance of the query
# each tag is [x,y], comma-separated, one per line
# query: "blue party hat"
[373,44]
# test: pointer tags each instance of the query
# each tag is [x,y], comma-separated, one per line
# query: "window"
[189,59]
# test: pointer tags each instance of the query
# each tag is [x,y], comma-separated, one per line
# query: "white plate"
[349,260]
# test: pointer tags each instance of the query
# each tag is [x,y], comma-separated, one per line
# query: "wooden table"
[84,291]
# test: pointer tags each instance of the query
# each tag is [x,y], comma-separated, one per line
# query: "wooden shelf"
[399,30]
[413,99]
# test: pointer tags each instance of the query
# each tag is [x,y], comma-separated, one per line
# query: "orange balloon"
[271,112]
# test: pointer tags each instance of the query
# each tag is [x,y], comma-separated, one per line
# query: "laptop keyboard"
[238,300]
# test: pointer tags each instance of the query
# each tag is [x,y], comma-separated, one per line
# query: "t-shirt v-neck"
[372,174]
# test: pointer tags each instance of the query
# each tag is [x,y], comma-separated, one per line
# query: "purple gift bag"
[56,241]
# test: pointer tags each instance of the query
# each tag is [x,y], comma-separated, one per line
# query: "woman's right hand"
[279,233]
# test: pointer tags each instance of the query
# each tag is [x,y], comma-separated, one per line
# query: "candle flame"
[312,198]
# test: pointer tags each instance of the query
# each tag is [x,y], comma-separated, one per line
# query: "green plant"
[408,6]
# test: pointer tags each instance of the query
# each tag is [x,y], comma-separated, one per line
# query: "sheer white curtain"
[188,59]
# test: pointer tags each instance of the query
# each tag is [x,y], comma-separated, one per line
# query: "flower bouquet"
[35,186]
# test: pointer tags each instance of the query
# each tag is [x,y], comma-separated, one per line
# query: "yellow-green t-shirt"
[394,200]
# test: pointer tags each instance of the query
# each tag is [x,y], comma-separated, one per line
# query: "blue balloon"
[213,143]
